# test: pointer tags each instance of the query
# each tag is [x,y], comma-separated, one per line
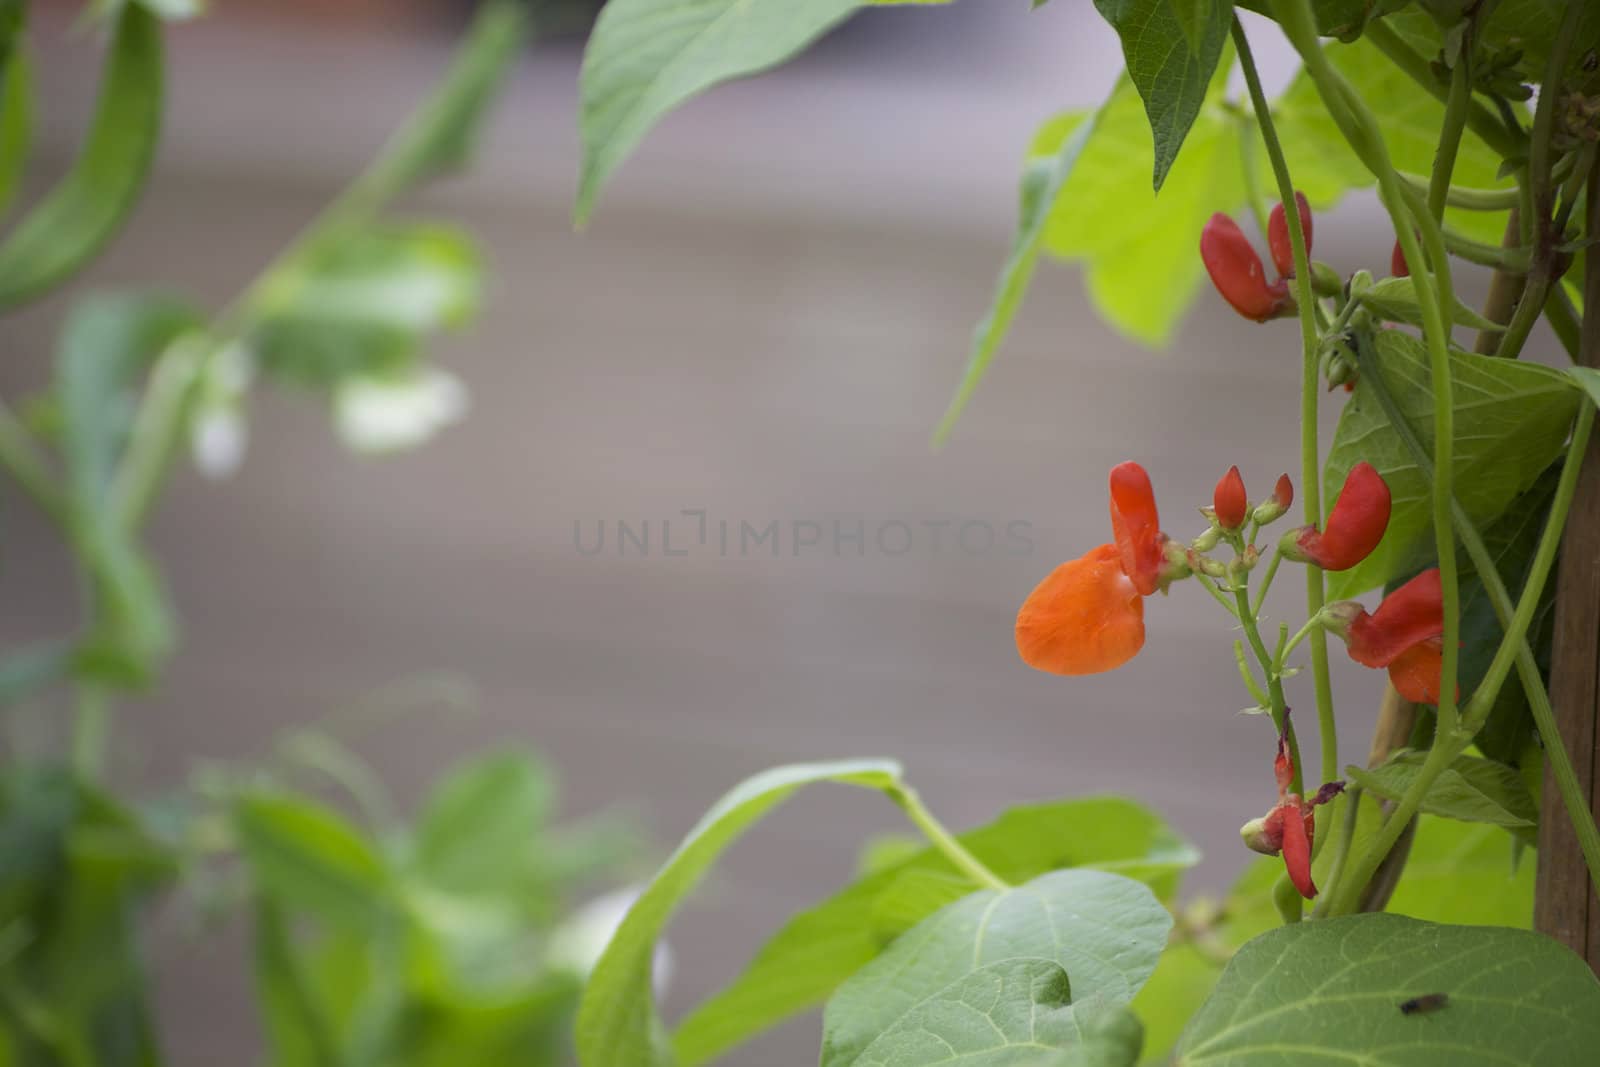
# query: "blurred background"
[762,325]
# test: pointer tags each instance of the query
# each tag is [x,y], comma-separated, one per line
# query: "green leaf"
[296,1024]
[821,947]
[1470,789]
[1193,18]
[1395,300]
[1172,78]
[16,123]
[1106,1039]
[310,859]
[482,826]
[1104,931]
[998,1015]
[1345,19]
[361,306]
[617,1023]
[1464,873]
[1331,991]
[1042,180]
[1139,250]
[646,57]
[92,201]
[1511,422]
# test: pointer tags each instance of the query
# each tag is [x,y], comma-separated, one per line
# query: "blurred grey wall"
[763,323]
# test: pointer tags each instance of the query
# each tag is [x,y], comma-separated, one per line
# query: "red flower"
[1404,635]
[1236,271]
[1397,262]
[1278,234]
[1291,824]
[1355,526]
[1088,615]
[1228,500]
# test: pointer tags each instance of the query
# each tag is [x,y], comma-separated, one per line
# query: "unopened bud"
[1325,281]
[1273,508]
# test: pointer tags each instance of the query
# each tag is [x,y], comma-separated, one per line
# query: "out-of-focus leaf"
[90,204]
[1170,57]
[297,1028]
[1464,873]
[1139,249]
[311,860]
[646,57]
[1042,179]
[482,827]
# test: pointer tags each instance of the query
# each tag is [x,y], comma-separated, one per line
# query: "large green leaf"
[1344,19]
[1171,61]
[617,1023]
[311,860]
[1470,789]
[1140,251]
[1042,179]
[1086,937]
[1330,991]
[91,202]
[821,947]
[646,57]
[1511,422]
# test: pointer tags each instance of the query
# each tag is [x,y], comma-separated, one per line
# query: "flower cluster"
[1236,269]
[1290,826]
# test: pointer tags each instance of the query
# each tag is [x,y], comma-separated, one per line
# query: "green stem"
[1477,709]
[1266,580]
[1455,123]
[1480,119]
[1310,381]
[944,840]
[1563,318]
[1312,625]
[1466,198]
[91,731]
[1277,706]
[1251,685]
[27,466]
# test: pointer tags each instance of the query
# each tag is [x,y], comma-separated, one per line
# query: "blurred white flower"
[220,432]
[577,944]
[392,413]
[218,440]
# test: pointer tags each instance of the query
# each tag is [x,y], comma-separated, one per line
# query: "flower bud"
[1325,281]
[1278,234]
[1229,501]
[1355,526]
[1235,269]
[1397,262]
[1208,540]
[1264,835]
[1276,506]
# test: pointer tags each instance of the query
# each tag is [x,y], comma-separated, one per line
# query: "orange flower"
[1355,525]
[1228,501]
[1088,615]
[1289,827]
[1404,635]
